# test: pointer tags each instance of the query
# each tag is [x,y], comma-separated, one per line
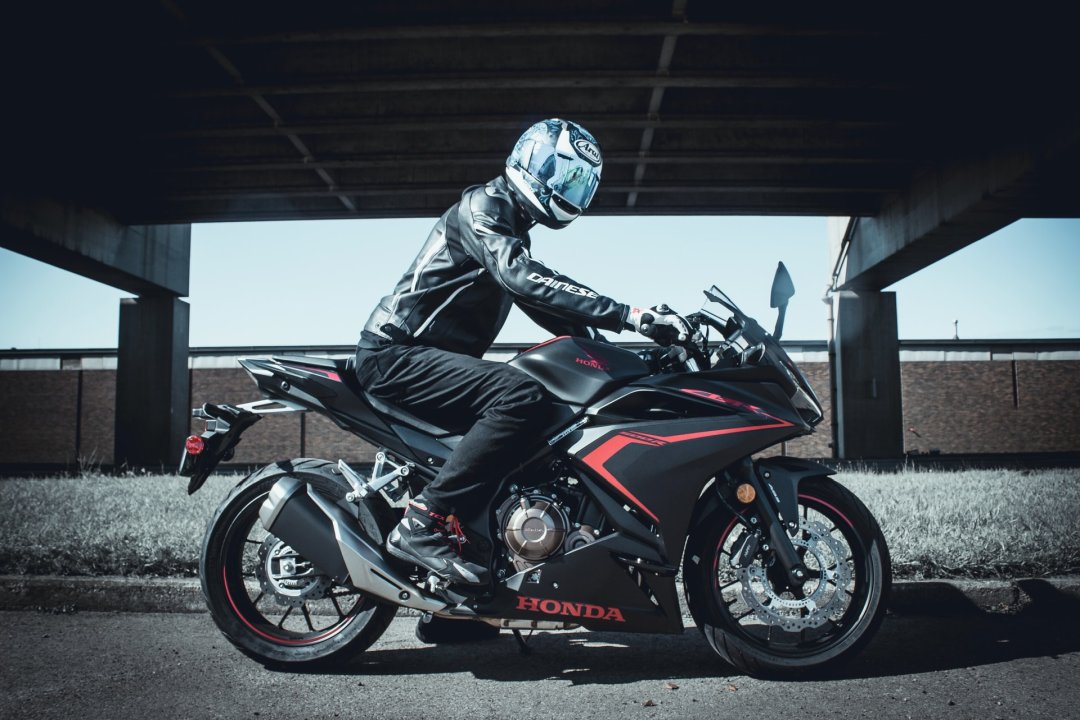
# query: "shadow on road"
[959,636]
[583,658]
[964,636]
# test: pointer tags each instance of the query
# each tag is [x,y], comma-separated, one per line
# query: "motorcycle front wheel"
[755,621]
[269,601]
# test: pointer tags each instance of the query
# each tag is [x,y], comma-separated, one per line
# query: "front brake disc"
[823,594]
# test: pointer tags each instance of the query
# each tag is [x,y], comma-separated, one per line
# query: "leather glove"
[659,322]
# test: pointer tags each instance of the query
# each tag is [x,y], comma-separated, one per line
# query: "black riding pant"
[499,409]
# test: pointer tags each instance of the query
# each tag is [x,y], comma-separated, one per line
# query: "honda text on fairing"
[648,470]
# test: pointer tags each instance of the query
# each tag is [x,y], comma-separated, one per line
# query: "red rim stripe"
[273,638]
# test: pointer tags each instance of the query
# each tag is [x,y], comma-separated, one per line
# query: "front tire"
[765,629]
[270,602]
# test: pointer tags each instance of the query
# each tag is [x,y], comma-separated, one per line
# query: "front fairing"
[804,399]
[657,441]
[750,334]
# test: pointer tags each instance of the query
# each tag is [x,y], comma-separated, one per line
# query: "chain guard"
[825,598]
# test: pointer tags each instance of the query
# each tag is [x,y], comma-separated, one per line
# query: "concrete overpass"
[128,121]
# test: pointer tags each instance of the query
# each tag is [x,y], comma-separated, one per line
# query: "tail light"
[194,445]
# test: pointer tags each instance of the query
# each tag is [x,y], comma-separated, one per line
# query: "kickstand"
[522,645]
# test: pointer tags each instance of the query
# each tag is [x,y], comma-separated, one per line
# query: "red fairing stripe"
[329,374]
[598,457]
[546,342]
[605,452]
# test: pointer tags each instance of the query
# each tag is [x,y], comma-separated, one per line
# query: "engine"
[538,524]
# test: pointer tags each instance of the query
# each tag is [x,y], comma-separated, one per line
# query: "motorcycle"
[650,473]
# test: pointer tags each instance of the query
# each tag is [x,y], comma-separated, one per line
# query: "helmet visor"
[571,178]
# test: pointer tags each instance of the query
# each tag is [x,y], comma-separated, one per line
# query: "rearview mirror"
[782,287]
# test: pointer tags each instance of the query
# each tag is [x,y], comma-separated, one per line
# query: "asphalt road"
[144,665]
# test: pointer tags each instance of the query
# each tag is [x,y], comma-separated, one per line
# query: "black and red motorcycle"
[647,478]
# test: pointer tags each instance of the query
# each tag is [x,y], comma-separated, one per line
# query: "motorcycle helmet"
[554,170]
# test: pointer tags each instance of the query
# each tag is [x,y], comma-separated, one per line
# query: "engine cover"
[534,528]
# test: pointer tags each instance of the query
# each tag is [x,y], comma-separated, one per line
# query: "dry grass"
[976,523]
[100,525]
[984,523]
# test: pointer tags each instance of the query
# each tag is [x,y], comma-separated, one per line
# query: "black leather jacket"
[475,264]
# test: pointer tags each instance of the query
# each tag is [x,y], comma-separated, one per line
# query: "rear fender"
[224,426]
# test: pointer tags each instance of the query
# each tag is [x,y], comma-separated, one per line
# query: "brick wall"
[37,416]
[324,439]
[958,407]
[955,406]
[1048,405]
[992,406]
[97,421]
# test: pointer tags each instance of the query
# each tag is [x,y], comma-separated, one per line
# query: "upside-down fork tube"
[325,534]
[775,530]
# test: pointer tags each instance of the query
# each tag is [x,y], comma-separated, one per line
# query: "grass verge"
[973,524]
[976,523]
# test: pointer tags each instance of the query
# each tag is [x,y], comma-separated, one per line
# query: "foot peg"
[362,487]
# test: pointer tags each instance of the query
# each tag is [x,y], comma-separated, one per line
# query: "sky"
[315,282]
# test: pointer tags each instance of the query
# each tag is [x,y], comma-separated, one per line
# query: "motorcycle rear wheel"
[270,602]
[765,629]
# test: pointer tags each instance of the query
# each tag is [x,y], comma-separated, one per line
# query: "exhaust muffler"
[324,533]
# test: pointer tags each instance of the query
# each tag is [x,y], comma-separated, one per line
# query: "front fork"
[769,506]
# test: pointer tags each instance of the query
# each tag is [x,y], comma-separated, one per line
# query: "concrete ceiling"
[194,110]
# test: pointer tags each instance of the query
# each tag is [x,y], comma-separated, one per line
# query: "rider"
[421,348]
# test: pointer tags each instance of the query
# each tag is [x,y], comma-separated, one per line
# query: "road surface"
[152,666]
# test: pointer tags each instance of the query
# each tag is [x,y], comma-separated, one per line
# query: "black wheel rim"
[312,621]
[746,622]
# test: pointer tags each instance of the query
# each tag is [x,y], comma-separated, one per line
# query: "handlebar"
[694,348]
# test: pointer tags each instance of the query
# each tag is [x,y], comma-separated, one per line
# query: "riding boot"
[425,538]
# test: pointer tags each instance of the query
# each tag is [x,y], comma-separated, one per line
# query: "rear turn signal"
[745,493]
[194,445]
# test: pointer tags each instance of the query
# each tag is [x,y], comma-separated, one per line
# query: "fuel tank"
[577,370]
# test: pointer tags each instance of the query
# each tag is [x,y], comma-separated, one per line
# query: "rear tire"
[271,603]
[742,620]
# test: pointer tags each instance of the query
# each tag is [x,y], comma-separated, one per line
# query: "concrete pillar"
[869,410]
[152,389]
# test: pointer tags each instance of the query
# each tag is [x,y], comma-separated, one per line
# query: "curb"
[60,594]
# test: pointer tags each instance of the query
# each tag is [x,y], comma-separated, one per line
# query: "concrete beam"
[949,207]
[152,382]
[141,259]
